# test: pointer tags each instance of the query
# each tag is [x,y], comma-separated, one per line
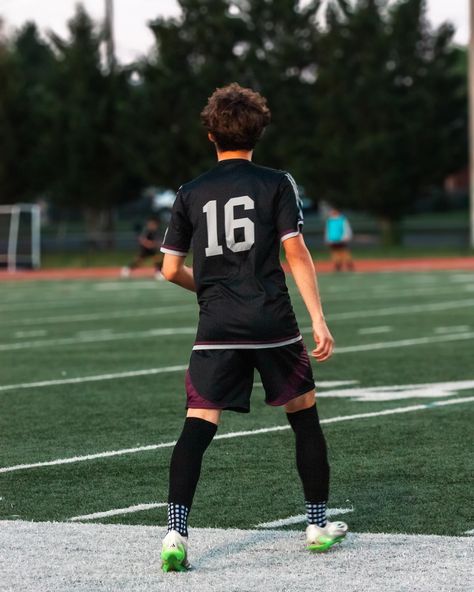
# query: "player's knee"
[302,402]
[211,415]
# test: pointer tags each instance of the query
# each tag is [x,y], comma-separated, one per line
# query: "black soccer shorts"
[223,378]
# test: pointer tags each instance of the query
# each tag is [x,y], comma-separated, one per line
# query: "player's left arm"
[302,267]
[177,272]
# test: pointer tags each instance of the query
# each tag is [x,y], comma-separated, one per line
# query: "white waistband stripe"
[246,345]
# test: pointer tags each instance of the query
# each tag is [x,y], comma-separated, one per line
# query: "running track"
[364,265]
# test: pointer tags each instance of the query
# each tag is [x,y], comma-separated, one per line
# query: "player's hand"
[324,341]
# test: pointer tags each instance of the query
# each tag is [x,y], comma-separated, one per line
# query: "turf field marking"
[134,373]
[37,333]
[454,328]
[301,518]
[117,512]
[98,338]
[229,435]
[403,343]
[470,532]
[192,330]
[374,330]
[398,392]
[100,316]
[93,378]
[396,310]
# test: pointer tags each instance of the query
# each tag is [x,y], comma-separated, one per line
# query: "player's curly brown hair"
[236,117]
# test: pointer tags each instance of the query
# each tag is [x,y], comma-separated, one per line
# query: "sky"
[133,39]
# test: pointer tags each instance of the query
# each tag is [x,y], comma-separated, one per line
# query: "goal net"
[20,236]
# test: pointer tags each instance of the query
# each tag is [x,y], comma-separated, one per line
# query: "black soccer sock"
[185,466]
[311,454]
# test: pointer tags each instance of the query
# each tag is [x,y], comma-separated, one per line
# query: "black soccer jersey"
[234,217]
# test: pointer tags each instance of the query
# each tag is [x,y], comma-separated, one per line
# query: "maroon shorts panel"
[223,379]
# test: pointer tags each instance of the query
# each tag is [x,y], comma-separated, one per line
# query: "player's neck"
[228,154]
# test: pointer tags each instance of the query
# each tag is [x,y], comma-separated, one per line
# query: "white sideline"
[301,518]
[98,316]
[374,330]
[117,512]
[112,337]
[457,328]
[395,310]
[470,532]
[191,330]
[403,343]
[110,453]
[99,337]
[93,378]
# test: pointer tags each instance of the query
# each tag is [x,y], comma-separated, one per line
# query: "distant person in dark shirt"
[149,244]
[338,235]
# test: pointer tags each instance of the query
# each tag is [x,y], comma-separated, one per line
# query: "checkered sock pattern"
[316,513]
[178,518]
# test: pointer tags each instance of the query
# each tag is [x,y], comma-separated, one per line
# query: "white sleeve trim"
[171,252]
[289,235]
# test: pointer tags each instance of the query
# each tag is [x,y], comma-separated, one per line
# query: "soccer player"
[235,216]
[149,244]
[338,235]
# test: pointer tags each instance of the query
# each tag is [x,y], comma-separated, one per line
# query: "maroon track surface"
[364,265]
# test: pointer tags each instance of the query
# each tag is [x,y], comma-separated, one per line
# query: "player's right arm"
[301,265]
[176,272]
[175,246]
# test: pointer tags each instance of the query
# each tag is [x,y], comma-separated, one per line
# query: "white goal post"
[20,236]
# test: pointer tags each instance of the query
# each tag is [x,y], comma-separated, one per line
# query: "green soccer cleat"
[320,539]
[174,553]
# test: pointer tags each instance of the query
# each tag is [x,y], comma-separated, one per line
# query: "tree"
[193,55]
[90,141]
[390,107]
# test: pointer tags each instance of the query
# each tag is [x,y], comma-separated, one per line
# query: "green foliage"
[368,109]
[391,107]
[26,67]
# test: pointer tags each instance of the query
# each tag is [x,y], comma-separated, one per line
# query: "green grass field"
[408,471]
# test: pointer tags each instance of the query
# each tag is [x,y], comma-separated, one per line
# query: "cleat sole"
[324,545]
[173,559]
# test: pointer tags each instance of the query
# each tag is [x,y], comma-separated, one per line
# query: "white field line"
[37,333]
[86,299]
[187,330]
[91,298]
[93,378]
[98,338]
[396,310]
[374,330]
[470,532]
[229,435]
[404,343]
[117,512]
[191,330]
[391,294]
[99,316]
[454,328]
[301,518]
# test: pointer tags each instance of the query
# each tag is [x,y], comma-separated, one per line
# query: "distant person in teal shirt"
[338,235]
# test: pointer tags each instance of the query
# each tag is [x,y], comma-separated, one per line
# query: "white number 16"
[231,224]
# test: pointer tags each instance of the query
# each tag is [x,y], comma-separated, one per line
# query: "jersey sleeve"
[289,215]
[177,239]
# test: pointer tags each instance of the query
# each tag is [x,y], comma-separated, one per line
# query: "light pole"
[109,34]
[471,121]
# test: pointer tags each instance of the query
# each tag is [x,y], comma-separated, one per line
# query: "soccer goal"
[20,236]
